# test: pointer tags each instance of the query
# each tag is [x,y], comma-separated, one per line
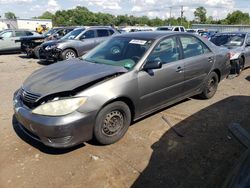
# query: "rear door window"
[102,33]
[193,46]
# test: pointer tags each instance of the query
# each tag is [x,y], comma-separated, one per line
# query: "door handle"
[179,69]
[210,59]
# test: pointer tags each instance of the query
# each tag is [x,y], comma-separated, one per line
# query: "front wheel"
[68,54]
[211,86]
[239,66]
[112,123]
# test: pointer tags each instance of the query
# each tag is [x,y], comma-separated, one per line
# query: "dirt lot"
[150,154]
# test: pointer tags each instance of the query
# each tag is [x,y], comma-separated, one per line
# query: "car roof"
[234,32]
[149,35]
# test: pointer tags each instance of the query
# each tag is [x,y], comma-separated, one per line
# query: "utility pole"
[170,15]
[182,12]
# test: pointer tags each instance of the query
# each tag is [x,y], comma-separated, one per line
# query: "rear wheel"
[68,54]
[211,86]
[112,123]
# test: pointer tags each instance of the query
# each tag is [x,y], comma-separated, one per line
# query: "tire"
[211,86]
[239,65]
[68,54]
[36,51]
[112,123]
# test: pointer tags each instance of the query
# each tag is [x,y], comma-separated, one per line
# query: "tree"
[10,15]
[46,15]
[200,14]
[237,17]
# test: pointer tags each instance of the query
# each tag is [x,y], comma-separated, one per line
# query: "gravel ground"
[150,155]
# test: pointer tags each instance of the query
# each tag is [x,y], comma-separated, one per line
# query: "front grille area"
[29,99]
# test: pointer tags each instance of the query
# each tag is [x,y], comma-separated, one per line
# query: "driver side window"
[88,34]
[166,51]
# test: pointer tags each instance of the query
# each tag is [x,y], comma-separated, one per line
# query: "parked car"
[8,37]
[208,34]
[171,28]
[195,31]
[121,80]
[30,45]
[239,45]
[75,43]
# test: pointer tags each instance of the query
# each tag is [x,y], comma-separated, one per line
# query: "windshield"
[228,39]
[50,32]
[119,51]
[164,29]
[73,34]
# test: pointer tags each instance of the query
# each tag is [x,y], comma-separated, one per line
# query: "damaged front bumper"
[53,54]
[54,131]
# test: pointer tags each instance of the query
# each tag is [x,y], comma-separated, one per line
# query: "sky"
[152,8]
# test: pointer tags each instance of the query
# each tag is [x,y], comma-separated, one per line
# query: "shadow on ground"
[248,78]
[38,145]
[206,153]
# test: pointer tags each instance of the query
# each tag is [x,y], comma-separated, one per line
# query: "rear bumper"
[59,131]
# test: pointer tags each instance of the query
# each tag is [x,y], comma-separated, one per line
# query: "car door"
[247,51]
[87,41]
[198,60]
[7,41]
[159,86]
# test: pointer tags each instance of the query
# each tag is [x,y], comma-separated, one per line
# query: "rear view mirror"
[152,65]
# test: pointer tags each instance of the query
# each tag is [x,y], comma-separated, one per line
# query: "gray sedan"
[122,80]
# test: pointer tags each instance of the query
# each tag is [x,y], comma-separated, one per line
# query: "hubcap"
[211,85]
[113,123]
[70,55]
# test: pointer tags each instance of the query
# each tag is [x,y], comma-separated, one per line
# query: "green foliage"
[46,15]
[237,17]
[200,14]
[82,16]
[10,15]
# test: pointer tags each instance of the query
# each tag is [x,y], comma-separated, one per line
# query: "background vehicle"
[171,28]
[8,38]
[195,31]
[239,45]
[121,80]
[30,44]
[75,43]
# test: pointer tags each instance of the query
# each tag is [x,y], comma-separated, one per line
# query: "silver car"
[122,80]
[75,43]
[239,45]
[8,38]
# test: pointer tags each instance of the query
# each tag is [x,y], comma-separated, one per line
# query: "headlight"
[60,107]
[50,47]
[234,55]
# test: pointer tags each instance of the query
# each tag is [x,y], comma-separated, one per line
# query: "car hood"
[67,76]
[53,42]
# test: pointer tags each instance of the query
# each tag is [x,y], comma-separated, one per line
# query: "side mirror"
[152,65]
[82,37]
